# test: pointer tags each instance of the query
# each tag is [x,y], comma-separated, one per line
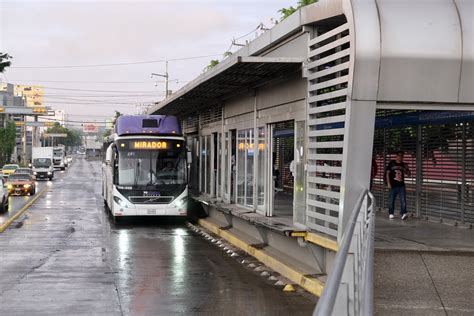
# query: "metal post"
[463,183]
[23,140]
[34,135]
[166,76]
[419,169]
[166,79]
[385,152]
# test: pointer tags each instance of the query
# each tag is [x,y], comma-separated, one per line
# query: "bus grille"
[151,199]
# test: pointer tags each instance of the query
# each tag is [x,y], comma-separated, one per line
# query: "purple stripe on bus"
[134,124]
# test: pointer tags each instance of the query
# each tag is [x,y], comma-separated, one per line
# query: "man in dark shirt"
[395,176]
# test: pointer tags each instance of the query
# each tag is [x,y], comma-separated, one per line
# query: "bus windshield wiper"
[137,175]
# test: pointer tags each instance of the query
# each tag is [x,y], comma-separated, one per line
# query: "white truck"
[60,158]
[42,162]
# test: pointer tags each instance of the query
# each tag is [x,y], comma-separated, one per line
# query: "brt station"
[284,132]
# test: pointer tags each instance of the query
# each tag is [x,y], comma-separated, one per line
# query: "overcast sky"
[74,33]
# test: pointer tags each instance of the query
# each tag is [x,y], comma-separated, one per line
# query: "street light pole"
[166,76]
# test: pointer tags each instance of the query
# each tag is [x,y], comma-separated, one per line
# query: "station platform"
[423,267]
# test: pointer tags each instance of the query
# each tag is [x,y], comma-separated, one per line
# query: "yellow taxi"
[9,169]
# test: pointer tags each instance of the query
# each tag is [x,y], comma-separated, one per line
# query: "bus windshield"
[58,152]
[139,168]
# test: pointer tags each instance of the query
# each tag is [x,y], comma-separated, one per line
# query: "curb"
[23,210]
[312,285]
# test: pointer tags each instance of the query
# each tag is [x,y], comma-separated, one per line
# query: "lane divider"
[22,210]
[312,285]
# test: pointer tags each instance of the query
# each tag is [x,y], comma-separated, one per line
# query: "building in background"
[33,95]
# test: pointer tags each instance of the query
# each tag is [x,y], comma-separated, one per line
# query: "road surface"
[65,256]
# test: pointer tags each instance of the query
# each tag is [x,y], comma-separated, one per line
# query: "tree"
[286,12]
[108,132]
[7,142]
[73,136]
[4,61]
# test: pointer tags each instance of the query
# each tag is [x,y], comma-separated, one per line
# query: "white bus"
[145,167]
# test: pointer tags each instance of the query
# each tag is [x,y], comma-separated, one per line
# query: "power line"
[72,121]
[98,97]
[100,104]
[105,82]
[66,102]
[158,93]
[73,81]
[116,64]
[88,90]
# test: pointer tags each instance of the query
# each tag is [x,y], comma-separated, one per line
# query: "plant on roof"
[286,12]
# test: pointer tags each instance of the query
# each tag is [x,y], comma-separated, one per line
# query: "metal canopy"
[229,78]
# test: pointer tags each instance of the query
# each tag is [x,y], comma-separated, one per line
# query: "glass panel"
[218,164]
[249,168]
[226,167]
[300,179]
[261,168]
[241,167]
[208,164]
[202,165]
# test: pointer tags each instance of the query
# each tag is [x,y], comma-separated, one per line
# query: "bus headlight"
[49,172]
[181,203]
[26,186]
[120,202]
[35,173]
[9,186]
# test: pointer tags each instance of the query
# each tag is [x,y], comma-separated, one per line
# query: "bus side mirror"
[108,155]
[190,157]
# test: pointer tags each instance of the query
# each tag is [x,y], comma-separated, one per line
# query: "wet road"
[66,257]
[16,203]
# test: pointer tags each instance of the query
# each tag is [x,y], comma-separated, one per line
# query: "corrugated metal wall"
[445,156]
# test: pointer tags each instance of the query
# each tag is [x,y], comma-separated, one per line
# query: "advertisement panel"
[90,128]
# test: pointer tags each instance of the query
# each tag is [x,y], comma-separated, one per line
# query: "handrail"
[327,300]
[368,307]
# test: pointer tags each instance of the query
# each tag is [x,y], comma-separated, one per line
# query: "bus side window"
[115,163]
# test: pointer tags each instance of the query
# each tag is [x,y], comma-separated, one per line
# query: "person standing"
[395,176]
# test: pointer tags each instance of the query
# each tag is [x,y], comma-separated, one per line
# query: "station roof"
[233,76]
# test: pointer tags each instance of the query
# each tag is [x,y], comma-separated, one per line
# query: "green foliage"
[73,135]
[4,61]
[213,63]
[7,142]
[108,132]
[286,12]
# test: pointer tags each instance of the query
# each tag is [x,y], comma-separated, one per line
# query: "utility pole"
[166,76]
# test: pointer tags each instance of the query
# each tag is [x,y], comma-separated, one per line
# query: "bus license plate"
[151,212]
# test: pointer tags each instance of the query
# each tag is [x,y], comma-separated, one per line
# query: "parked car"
[4,195]
[9,169]
[21,184]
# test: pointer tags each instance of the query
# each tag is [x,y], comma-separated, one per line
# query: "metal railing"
[349,289]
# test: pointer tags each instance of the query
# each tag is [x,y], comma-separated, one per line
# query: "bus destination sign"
[150,144]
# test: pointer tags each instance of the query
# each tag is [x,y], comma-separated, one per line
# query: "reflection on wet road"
[18,202]
[69,258]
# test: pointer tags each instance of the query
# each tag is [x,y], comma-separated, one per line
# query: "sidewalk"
[423,268]
[421,235]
